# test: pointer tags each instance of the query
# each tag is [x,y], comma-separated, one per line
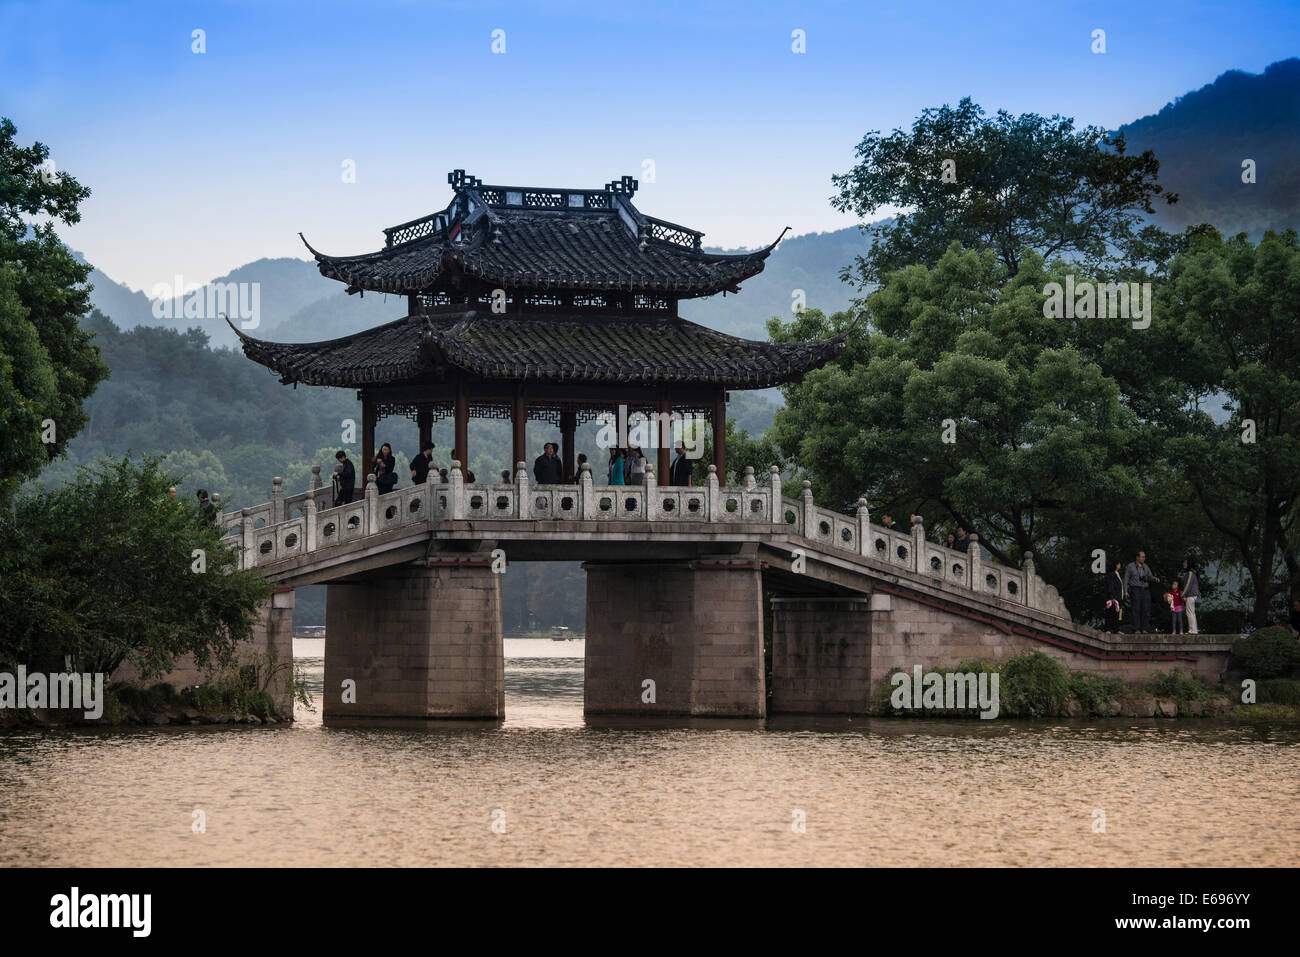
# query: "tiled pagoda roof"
[562,239]
[552,348]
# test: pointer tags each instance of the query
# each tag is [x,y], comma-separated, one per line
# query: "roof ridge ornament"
[459,179]
[626,186]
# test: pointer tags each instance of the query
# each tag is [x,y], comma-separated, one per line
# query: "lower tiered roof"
[554,348]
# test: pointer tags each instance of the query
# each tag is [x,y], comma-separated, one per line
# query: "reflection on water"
[636,791]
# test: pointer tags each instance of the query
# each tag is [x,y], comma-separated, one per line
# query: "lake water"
[569,791]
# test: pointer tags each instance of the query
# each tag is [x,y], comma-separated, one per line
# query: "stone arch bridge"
[683,587]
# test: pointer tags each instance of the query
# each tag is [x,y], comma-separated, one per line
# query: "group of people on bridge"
[1134,584]
[625,468]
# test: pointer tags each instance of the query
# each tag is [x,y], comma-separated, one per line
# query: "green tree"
[1007,183]
[103,569]
[1232,305]
[197,470]
[962,402]
[48,365]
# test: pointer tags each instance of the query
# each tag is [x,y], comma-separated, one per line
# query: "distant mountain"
[128,308]
[1202,138]
[285,287]
[811,263]
[334,315]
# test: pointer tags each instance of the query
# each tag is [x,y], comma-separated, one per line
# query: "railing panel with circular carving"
[559,503]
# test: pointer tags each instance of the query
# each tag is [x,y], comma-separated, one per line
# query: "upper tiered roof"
[516,238]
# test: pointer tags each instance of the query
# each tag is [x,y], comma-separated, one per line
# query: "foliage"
[1267,653]
[48,365]
[1045,451]
[102,569]
[1017,183]
[1093,691]
[1279,691]
[1178,685]
[1033,685]
[1234,308]
[1268,714]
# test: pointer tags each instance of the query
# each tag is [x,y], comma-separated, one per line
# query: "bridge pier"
[682,638]
[418,641]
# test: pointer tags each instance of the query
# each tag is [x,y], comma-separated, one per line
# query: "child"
[1176,607]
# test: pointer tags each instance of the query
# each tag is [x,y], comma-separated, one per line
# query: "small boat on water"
[560,633]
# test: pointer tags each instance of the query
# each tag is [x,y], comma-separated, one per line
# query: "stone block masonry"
[419,641]
[695,629]
[830,654]
[821,655]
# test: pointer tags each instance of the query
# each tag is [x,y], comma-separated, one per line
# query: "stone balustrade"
[302,523]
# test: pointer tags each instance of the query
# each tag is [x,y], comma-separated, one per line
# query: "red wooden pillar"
[367,436]
[462,426]
[720,435]
[519,419]
[424,421]
[665,439]
[568,426]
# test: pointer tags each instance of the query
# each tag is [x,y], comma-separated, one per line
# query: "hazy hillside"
[811,263]
[286,288]
[1202,138]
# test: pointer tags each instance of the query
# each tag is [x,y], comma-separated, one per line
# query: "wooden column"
[720,435]
[367,438]
[462,426]
[424,422]
[665,440]
[519,419]
[568,426]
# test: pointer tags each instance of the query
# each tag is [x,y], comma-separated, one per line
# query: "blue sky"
[202,162]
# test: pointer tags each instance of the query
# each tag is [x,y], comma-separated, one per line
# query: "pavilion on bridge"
[558,305]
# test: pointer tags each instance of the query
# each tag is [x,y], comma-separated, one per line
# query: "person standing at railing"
[963,540]
[548,469]
[207,511]
[889,523]
[1176,607]
[1137,582]
[1191,585]
[582,460]
[344,479]
[680,472]
[635,466]
[421,464]
[616,467]
[1114,598]
[385,469]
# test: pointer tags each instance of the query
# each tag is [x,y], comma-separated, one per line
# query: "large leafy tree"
[1045,453]
[47,362]
[1005,183]
[1233,306]
[103,569]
